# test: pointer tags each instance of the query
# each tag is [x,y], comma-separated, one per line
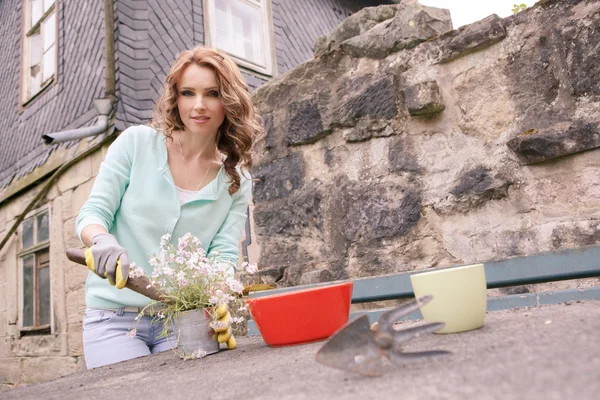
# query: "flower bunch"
[190,279]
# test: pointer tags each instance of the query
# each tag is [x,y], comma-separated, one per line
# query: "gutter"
[103,106]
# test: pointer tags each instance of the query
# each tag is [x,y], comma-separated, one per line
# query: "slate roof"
[148,35]
[68,103]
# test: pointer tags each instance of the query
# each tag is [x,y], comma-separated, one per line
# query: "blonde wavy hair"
[236,134]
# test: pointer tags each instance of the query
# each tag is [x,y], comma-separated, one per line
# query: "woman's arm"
[88,233]
[109,186]
[227,239]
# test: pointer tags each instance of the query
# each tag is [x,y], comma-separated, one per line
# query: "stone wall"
[27,359]
[406,145]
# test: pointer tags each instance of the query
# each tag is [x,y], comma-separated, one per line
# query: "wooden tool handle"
[139,285]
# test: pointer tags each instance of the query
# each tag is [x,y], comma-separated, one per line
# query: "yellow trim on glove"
[121,281]
[231,343]
[221,311]
[89,259]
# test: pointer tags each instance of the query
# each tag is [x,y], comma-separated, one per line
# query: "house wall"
[66,104]
[148,35]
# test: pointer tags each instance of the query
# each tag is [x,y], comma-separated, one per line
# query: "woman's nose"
[199,105]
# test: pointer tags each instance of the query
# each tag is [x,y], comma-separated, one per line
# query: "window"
[39,45]
[34,262]
[242,28]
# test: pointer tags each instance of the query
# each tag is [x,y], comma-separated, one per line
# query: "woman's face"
[199,101]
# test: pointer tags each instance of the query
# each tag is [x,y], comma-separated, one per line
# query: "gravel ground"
[548,352]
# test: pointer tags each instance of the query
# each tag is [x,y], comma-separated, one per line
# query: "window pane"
[48,4]
[44,295]
[49,31]
[36,11]
[35,41]
[27,233]
[49,63]
[28,288]
[238,29]
[43,233]
[35,73]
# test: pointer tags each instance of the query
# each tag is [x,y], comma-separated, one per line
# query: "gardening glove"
[107,259]
[223,334]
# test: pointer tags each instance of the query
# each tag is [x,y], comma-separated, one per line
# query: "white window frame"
[32,250]
[268,65]
[28,30]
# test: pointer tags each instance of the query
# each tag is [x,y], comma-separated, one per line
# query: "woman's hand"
[107,259]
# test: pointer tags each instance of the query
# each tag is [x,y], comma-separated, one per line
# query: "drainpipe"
[103,106]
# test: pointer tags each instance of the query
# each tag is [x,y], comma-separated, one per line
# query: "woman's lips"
[200,120]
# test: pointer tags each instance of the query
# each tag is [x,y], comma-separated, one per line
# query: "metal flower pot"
[194,334]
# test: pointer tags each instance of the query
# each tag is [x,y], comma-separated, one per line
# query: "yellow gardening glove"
[107,259]
[223,335]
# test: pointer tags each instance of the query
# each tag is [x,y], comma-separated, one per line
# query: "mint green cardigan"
[135,199]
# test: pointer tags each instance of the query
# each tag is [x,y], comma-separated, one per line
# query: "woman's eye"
[186,93]
[213,93]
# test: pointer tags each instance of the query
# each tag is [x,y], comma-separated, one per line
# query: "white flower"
[251,268]
[217,325]
[131,333]
[135,271]
[235,286]
[200,353]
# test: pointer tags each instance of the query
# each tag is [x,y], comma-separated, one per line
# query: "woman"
[186,172]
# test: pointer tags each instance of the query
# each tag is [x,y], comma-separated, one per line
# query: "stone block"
[53,193]
[2,324]
[64,202]
[80,195]
[75,340]
[267,123]
[478,186]
[317,276]
[473,37]
[375,98]
[10,264]
[423,99]
[278,179]
[305,124]
[69,235]
[291,216]
[3,294]
[5,347]
[254,250]
[363,212]
[95,161]
[534,146]
[76,175]
[356,24]
[576,234]
[293,274]
[401,156]
[75,277]
[3,221]
[38,345]
[17,205]
[366,129]
[40,369]
[75,306]
[412,24]
[11,370]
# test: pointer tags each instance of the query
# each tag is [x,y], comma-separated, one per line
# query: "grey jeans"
[107,337]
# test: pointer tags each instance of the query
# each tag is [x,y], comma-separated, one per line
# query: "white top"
[184,195]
